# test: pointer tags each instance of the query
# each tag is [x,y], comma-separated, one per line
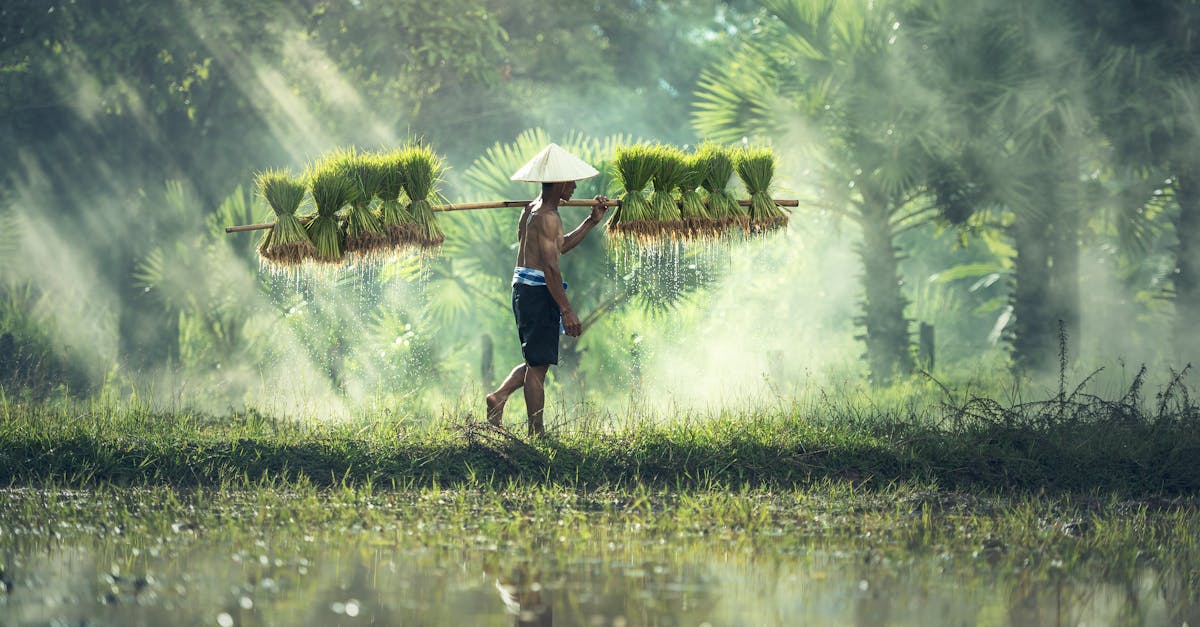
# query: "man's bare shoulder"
[545,219]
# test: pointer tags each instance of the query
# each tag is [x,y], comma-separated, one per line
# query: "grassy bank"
[1072,443]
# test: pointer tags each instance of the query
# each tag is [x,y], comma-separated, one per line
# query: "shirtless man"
[539,296]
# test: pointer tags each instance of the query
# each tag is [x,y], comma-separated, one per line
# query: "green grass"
[975,503]
[1069,444]
[897,518]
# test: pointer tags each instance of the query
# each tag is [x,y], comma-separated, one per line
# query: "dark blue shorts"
[538,323]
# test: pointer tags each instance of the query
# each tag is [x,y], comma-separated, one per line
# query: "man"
[539,294]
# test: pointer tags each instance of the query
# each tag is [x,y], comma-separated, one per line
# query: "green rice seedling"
[668,170]
[331,190]
[756,168]
[364,235]
[421,170]
[697,223]
[633,167]
[397,223]
[718,170]
[286,243]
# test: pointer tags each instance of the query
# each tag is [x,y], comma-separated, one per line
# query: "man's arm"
[548,241]
[574,237]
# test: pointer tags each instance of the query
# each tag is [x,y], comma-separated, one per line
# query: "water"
[443,559]
[664,272]
[379,582]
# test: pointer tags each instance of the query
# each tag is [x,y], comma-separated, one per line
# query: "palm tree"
[1014,126]
[821,75]
[1148,59]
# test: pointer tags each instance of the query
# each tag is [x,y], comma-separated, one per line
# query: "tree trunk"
[1187,266]
[1047,275]
[1064,273]
[1033,335]
[889,347]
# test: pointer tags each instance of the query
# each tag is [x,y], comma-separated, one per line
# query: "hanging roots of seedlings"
[633,167]
[397,223]
[718,170]
[697,223]
[364,236]
[756,168]
[286,243]
[421,170]
[331,190]
[668,170]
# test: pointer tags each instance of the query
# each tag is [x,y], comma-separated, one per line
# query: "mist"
[124,163]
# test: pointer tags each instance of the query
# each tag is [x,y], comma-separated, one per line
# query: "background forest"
[1012,174]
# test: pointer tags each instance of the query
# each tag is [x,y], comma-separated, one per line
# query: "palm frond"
[489,177]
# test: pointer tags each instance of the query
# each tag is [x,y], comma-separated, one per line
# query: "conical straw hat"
[552,165]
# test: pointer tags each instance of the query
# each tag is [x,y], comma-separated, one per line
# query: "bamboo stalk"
[501,204]
[248,227]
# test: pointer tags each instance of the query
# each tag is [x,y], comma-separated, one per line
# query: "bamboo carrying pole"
[500,204]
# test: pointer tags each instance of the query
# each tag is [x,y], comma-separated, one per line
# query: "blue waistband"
[530,276]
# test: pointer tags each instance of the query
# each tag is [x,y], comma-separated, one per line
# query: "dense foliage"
[1018,175]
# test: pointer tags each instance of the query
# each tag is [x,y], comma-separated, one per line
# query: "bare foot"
[495,409]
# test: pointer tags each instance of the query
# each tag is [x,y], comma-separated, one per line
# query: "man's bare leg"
[496,400]
[535,398]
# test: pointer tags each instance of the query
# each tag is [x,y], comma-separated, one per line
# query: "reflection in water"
[304,583]
[430,558]
[521,593]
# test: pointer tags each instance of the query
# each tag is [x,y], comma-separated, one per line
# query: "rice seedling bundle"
[286,243]
[364,235]
[633,166]
[756,168]
[697,222]
[668,170]
[660,198]
[420,170]
[331,190]
[718,170]
[397,223]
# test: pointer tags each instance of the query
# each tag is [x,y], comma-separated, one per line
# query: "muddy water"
[170,567]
